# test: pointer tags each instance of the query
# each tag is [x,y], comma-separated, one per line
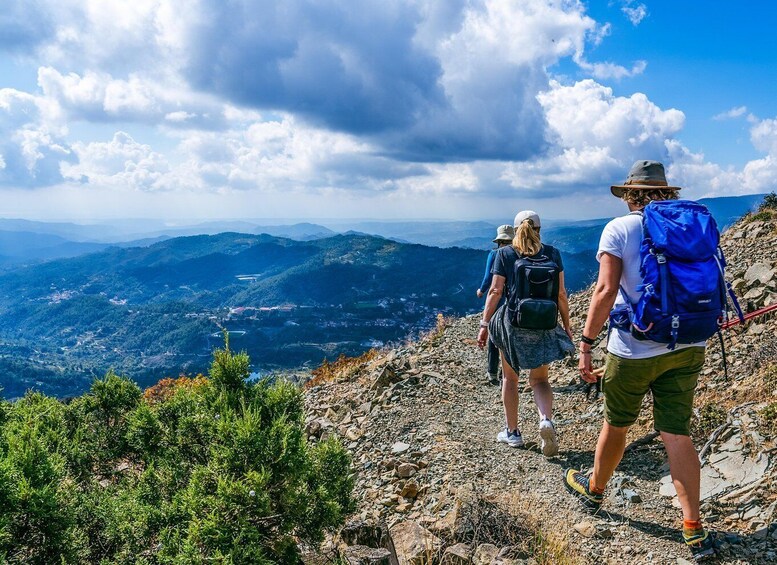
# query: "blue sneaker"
[511,438]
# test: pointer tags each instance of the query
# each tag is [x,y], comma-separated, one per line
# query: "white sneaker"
[513,439]
[549,438]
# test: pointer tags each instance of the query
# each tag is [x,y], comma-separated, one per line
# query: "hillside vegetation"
[158,311]
[192,471]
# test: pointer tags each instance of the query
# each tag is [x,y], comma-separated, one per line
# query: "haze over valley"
[156,303]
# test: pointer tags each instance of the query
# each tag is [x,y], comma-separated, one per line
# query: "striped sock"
[692,528]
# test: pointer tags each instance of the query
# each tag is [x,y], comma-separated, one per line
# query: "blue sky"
[457,109]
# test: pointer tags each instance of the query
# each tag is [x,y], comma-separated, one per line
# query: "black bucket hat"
[644,175]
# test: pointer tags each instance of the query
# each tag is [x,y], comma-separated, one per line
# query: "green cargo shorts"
[671,378]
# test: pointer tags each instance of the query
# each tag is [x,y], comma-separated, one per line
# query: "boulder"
[459,554]
[485,554]
[759,272]
[413,544]
[359,532]
[385,378]
[406,470]
[363,555]
[410,490]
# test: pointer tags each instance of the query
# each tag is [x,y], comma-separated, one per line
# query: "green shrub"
[37,500]
[769,418]
[214,470]
[711,416]
[769,202]
[762,216]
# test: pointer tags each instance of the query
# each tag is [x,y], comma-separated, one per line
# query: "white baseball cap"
[524,215]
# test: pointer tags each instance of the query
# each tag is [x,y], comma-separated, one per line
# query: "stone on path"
[399,447]
[586,529]
[458,554]
[414,545]
[363,555]
[485,554]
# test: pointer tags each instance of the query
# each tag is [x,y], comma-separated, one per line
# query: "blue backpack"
[683,286]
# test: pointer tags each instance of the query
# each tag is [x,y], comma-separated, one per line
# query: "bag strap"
[729,290]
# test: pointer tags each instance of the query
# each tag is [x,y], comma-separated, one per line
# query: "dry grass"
[514,522]
[165,388]
[342,369]
[434,335]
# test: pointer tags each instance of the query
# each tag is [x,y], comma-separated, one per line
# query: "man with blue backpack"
[661,286]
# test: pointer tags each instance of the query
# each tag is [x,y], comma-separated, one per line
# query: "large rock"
[485,554]
[359,532]
[458,554]
[363,555]
[406,470]
[385,378]
[413,544]
[410,490]
[759,272]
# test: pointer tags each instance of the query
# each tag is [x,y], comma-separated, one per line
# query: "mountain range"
[153,311]
[156,306]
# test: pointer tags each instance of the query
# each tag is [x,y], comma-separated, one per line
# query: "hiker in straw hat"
[636,366]
[504,236]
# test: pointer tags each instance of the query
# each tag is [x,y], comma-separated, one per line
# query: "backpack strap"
[663,273]
[728,290]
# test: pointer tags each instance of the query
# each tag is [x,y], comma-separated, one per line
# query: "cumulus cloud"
[407,97]
[763,134]
[267,156]
[120,163]
[710,179]
[596,137]
[731,114]
[430,81]
[635,12]
[99,97]
[32,144]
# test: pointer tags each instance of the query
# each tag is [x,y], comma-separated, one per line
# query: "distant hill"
[728,209]
[154,311]
[21,248]
[25,242]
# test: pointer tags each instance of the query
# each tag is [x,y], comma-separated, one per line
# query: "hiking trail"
[433,485]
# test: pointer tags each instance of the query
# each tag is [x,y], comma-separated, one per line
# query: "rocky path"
[421,424]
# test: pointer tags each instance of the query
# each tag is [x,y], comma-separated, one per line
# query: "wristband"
[483,324]
[587,340]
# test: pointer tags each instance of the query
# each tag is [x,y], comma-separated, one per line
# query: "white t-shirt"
[622,238]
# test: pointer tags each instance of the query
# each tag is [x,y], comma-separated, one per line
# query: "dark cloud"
[371,71]
[23,25]
[348,67]
[363,171]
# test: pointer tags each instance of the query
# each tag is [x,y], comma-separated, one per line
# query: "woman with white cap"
[522,347]
[504,236]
